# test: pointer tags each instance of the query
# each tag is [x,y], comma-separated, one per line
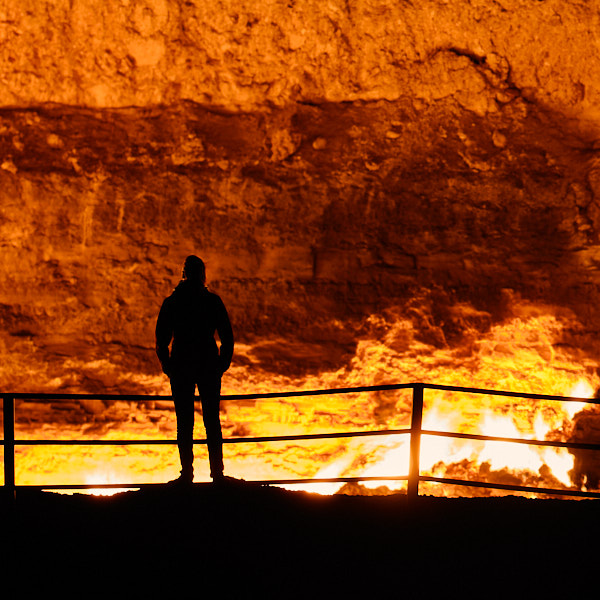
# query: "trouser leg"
[183,389]
[210,395]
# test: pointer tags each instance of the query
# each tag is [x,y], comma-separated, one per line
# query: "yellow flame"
[517,355]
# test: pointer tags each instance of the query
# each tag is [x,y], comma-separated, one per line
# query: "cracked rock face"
[327,162]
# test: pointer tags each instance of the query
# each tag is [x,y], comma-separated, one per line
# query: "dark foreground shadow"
[259,539]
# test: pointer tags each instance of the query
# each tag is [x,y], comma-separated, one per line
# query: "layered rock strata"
[328,162]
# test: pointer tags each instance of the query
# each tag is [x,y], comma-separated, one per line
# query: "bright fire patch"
[518,355]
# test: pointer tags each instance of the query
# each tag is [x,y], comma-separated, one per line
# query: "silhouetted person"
[189,318]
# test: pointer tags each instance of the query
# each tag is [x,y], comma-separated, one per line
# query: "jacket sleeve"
[225,332]
[164,334]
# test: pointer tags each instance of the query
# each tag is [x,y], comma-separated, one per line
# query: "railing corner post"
[8,414]
[415,441]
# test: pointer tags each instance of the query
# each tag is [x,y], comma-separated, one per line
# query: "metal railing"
[413,478]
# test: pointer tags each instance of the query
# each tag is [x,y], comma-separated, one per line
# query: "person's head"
[194,270]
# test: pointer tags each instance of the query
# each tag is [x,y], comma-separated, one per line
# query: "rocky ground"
[261,541]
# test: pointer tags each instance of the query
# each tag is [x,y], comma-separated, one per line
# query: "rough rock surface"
[328,161]
[250,54]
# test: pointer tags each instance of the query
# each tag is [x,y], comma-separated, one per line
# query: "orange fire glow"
[517,355]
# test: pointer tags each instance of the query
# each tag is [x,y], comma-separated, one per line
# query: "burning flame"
[517,355]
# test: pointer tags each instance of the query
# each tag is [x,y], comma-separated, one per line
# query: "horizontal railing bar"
[315,436]
[295,393]
[532,396]
[81,486]
[506,486]
[237,440]
[298,393]
[330,480]
[96,442]
[475,436]
[58,396]
[311,436]
[256,396]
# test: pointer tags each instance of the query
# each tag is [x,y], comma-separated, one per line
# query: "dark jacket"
[189,318]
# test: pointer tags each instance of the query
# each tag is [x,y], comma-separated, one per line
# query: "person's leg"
[209,387]
[183,389]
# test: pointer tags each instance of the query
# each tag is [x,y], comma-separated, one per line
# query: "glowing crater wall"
[328,162]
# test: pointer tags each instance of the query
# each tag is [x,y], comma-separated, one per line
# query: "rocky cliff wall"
[253,53]
[328,162]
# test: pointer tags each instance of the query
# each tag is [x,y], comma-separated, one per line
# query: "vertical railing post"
[415,441]
[8,413]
